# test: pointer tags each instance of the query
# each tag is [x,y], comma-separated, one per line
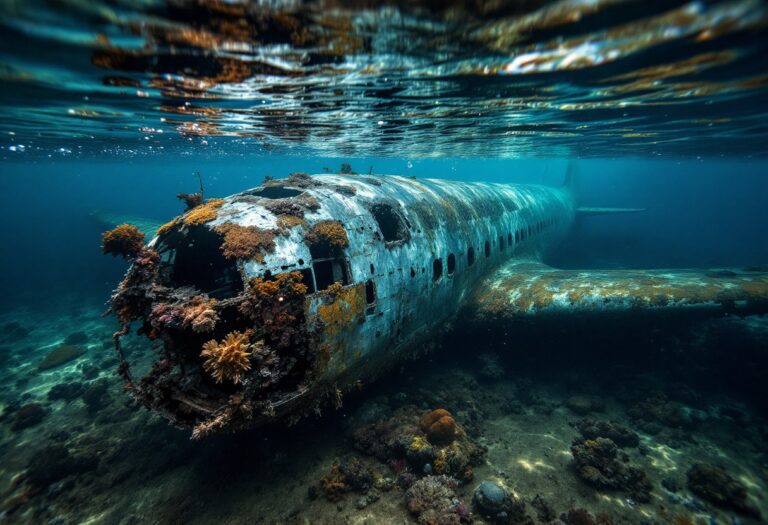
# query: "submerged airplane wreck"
[269,303]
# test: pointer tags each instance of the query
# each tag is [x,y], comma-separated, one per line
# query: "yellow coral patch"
[165,228]
[206,212]
[346,308]
[230,359]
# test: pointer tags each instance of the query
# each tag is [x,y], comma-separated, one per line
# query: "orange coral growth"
[289,285]
[246,242]
[125,240]
[439,426]
[230,359]
[203,213]
[329,235]
[286,222]
[165,228]
[333,485]
[200,314]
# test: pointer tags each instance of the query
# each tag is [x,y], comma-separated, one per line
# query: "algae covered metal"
[267,302]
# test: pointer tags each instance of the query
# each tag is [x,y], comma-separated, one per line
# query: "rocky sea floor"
[482,431]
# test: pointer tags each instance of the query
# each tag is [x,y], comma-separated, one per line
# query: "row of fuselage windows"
[511,240]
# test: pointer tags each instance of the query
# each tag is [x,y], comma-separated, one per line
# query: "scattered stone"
[28,416]
[76,338]
[583,405]
[597,464]
[55,463]
[489,497]
[582,517]
[671,484]
[544,512]
[60,355]
[96,397]
[493,502]
[65,391]
[715,485]
[617,433]
[14,331]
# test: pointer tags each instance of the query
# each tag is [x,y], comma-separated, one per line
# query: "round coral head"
[439,426]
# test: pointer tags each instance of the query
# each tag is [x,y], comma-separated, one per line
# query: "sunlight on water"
[591,78]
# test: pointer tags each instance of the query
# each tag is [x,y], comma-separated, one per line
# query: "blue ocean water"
[700,213]
[620,378]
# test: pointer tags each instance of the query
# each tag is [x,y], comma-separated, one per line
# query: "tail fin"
[569,183]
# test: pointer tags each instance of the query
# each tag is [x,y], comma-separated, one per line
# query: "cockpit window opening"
[437,269]
[509,239]
[451,263]
[330,271]
[413,272]
[470,256]
[194,258]
[373,270]
[390,222]
[276,192]
[501,243]
[487,249]
[308,280]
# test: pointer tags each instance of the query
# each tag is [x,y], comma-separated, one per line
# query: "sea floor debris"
[440,441]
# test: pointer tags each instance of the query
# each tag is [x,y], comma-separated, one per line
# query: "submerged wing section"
[109,219]
[524,288]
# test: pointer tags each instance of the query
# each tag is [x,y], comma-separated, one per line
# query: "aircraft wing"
[108,219]
[525,288]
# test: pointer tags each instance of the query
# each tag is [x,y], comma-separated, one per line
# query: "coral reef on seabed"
[74,452]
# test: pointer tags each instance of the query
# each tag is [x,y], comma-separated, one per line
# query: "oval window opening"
[451,264]
[487,249]
[437,269]
[470,256]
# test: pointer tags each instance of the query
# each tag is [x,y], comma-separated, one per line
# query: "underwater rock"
[96,396]
[60,355]
[14,331]
[544,511]
[399,441]
[715,485]
[583,405]
[66,391]
[494,503]
[54,463]
[622,436]
[348,476]
[433,500]
[491,367]
[658,411]
[28,416]
[439,426]
[582,517]
[597,464]
[489,497]
[76,338]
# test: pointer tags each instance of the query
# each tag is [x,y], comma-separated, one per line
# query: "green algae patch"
[60,355]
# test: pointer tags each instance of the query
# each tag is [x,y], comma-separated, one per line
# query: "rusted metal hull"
[382,262]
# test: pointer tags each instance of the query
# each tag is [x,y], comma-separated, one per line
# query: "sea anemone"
[125,240]
[230,359]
